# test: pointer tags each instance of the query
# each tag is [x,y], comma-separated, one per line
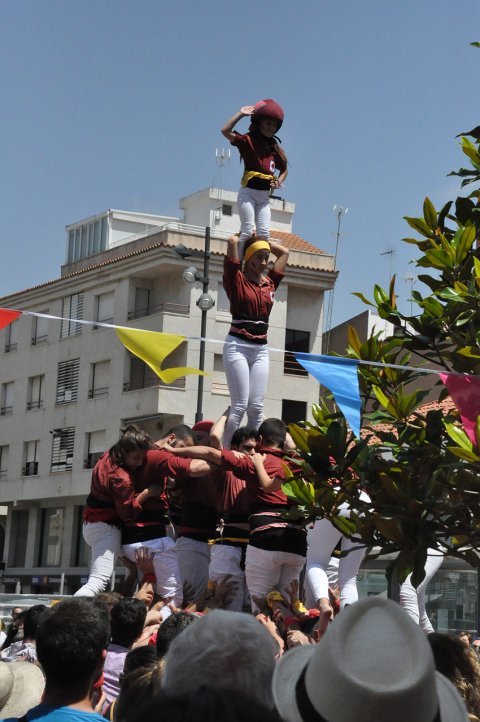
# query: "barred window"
[39,330]
[62,449]
[30,458]
[11,337]
[95,447]
[3,461]
[295,341]
[51,533]
[35,392]
[99,379]
[67,381]
[72,310]
[104,304]
[6,399]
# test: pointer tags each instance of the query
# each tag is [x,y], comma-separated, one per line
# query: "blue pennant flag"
[340,376]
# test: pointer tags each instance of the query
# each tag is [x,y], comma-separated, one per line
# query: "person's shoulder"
[45,713]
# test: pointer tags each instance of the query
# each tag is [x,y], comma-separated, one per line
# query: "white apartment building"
[67,388]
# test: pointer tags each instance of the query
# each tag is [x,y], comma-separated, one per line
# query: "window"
[51,532]
[226,209]
[62,449]
[39,330]
[293,411]
[142,302]
[17,549]
[87,239]
[104,307]
[11,337]
[6,400]
[99,379]
[30,458]
[80,549]
[295,341]
[67,381]
[95,447]
[35,392]
[219,380]
[72,310]
[3,461]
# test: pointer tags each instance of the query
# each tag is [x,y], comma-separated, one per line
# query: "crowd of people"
[231,609]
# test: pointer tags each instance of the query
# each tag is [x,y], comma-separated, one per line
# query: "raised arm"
[281,255]
[216,432]
[230,124]
[266,482]
[232,248]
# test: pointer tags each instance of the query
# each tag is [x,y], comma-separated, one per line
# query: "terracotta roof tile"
[444,406]
[296,243]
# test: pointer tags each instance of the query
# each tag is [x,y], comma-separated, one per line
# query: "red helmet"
[270,109]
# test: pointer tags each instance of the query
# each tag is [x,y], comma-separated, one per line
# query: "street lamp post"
[204,303]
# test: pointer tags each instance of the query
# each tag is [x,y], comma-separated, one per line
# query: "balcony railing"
[92,459]
[10,347]
[4,410]
[136,384]
[38,340]
[32,405]
[31,468]
[98,392]
[292,367]
[167,307]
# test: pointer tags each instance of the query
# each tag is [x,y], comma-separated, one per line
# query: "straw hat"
[373,664]
[21,688]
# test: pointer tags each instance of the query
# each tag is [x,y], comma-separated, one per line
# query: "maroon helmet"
[268,108]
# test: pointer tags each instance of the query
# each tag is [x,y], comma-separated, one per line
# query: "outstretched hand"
[247,109]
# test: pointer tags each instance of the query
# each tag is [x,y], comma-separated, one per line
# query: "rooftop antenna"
[222,158]
[389,252]
[339,211]
[410,278]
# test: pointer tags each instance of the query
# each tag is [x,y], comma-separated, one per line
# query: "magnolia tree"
[421,471]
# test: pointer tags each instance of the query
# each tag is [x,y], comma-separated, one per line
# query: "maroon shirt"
[112,495]
[245,469]
[249,302]
[259,154]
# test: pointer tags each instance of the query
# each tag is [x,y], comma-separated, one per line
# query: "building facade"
[67,388]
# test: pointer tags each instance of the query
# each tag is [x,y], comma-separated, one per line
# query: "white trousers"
[413,600]
[165,565]
[267,570]
[104,540]
[246,368]
[193,558]
[226,559]
[255,214]
[323,539]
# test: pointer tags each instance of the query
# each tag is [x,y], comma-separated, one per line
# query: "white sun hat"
[21,688]
[373,664]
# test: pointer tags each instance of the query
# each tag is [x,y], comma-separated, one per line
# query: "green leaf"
[362,298]
[299,490]
[470,351]
[430,214]
[467,239]
[379,295]
[354,340]
[463,454]
[418,224]
[458,436]
[450,294]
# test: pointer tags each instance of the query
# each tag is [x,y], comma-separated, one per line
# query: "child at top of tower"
[262,157]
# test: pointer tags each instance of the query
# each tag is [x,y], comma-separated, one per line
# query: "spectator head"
[459,663]
[273,432]
[201,432]
[32,619]
[180,436]
[137,691]
[225,650]
[464,637]
[476,642]
[126,621]
[144,656]
[245,439]
[130,449]
[71,643]
[171,628]
[15,612]
[354,675]
[109,599]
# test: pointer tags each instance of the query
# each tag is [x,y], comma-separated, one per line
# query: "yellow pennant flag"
[153,347]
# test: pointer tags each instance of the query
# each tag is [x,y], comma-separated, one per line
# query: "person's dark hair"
[171,628]
[273,433]
[15,630]
[181,432]
[137,691]
[459,663]
[70,642]
[242,434]
[127,618]
[109,599]
[208,703]
[255,132]
[33,615]
[132,439]
[144,656]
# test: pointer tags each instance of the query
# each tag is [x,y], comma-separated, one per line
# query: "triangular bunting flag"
[7,316]
[465,393]
[340,376]
[153,347]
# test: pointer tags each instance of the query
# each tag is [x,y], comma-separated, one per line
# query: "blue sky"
[118,104]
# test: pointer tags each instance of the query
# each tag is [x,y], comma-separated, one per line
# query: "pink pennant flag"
[465,393]
[7,316]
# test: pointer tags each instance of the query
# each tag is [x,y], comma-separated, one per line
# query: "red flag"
[465,392]
[7,316]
